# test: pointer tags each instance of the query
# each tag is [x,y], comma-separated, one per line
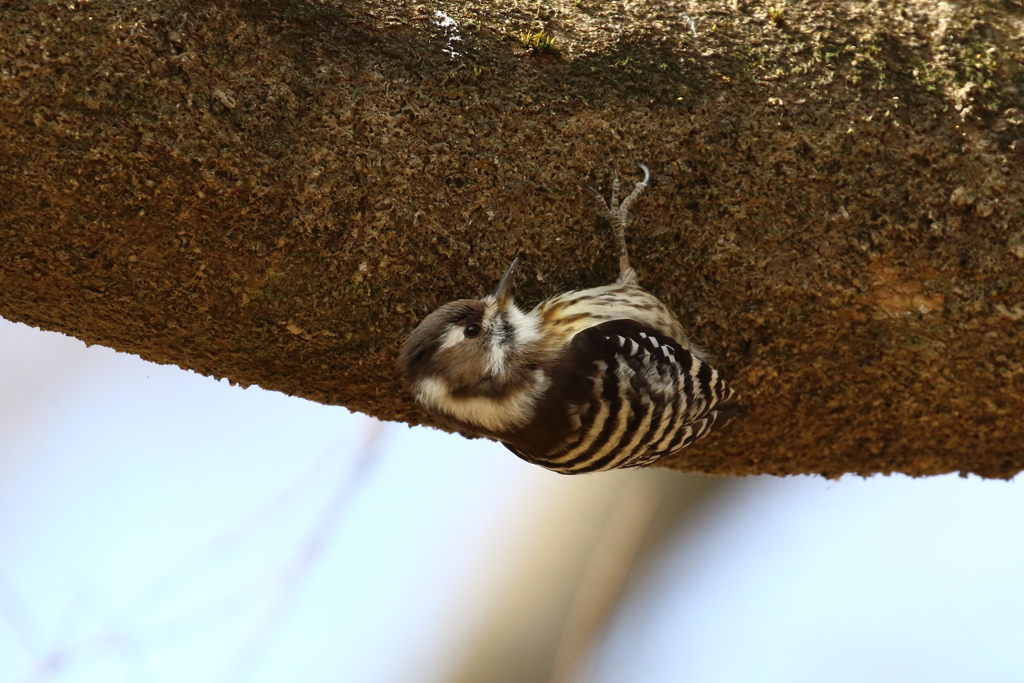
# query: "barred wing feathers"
[639,396]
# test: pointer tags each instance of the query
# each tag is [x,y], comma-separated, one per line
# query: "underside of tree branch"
[277,192]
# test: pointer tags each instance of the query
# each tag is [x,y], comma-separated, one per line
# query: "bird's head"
[472,347]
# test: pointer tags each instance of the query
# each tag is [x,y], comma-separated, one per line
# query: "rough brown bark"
[277,192]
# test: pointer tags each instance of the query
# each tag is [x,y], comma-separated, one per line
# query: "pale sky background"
[156,525]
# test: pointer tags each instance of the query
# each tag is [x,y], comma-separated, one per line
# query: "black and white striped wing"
[640,396]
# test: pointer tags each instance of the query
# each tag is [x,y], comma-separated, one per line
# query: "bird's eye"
[472,330]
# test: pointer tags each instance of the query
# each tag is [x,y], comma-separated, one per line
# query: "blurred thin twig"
[122,632]
[291,577]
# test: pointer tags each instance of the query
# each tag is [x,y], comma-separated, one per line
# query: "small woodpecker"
[589,380]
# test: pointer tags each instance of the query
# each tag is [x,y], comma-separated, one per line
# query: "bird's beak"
[503,292]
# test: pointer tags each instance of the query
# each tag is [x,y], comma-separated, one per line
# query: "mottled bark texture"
[276,192]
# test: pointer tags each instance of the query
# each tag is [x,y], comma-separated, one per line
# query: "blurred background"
[156,525]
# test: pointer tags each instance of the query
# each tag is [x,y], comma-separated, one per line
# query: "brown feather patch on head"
[418,351]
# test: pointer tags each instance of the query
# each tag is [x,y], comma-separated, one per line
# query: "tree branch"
[277,192]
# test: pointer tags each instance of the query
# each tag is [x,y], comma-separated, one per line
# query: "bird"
[587,381]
